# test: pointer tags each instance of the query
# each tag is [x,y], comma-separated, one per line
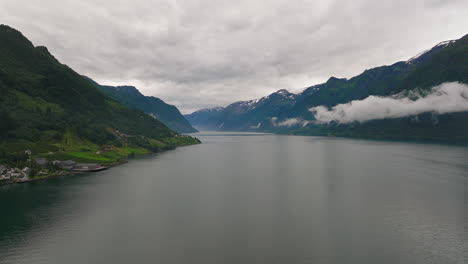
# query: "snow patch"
[441,44]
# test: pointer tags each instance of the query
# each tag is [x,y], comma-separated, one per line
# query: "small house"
[41,161]
[16,175]
[27,170]
[67,164]
[88,167]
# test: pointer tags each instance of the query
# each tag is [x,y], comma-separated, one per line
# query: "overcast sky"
[195,54]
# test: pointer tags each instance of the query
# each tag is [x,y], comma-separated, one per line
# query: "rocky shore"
[69,167]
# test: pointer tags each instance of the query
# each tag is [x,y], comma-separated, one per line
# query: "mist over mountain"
[432,82]
[444,99]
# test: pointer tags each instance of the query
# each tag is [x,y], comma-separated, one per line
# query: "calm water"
[250,198]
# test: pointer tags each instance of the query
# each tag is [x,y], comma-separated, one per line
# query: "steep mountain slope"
[47,107]
[167,114]
[446,62]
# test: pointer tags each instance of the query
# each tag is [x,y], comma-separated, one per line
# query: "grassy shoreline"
[112,157]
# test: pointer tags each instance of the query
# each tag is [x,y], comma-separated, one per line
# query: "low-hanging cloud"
[293,122]
[445,98]
[289,122]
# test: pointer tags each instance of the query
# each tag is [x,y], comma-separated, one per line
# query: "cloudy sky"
[195,54]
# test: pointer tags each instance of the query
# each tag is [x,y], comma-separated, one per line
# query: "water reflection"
[250,199]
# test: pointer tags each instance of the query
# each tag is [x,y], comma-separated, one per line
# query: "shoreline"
[69,173]
[65,173]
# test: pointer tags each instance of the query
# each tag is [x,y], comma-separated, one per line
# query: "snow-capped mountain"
[209,110]
[242,115]
[427,53]
[204,118]
[290,113]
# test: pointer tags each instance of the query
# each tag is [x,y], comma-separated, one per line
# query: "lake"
[248,198]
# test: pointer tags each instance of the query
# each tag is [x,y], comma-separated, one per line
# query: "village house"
[67,164]
[41,161]
[107,148]
[16,175]
[78,167]
[3,170]
[88,167]
[27,170]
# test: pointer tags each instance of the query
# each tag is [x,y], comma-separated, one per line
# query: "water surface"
[250,198]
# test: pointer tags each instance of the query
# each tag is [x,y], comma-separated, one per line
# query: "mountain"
[48,108]
[244,115]
[205,119]
[445,62]
[155,107]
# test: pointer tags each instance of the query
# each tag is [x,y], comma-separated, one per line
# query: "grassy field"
[71,147]
[117,154]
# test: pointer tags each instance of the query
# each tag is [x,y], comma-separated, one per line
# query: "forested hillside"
[157,108]
[47,107]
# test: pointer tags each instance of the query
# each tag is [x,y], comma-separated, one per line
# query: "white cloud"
[293,122]
[289,122]
[445,98]
[197,53]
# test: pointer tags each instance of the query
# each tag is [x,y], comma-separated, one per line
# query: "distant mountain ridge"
[205,119]
[445,62]
[157,108]
[243,115]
